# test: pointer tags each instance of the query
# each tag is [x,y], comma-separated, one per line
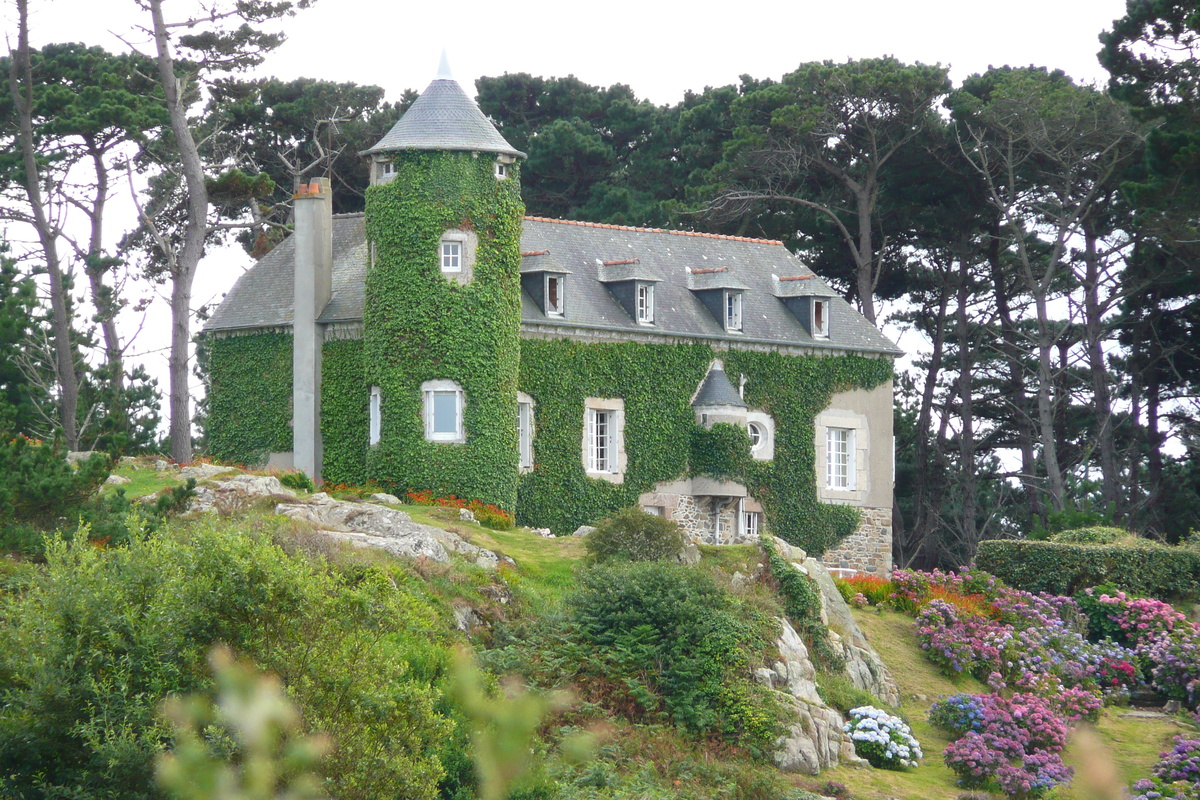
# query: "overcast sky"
[659,49]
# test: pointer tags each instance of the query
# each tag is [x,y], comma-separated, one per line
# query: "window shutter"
[851,460]
[591,439]
[829,457]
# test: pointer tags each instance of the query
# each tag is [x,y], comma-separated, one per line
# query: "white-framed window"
[752,523]
[387,168]
[757,435]
[760,427]
[602,447]
[554,295]
[525,430]
[376,416]
[820,318]
[654,511]
[645,303]
[443,406]
[604,438]
[733,311]
[841,466]
[451,252]
[501,171]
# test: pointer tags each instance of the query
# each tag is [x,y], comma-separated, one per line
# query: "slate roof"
[444,118]
[717,390]
[262,297]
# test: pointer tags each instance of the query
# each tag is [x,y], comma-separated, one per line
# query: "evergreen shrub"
[672,642]
[1060,568]
[633,535]
[91,648]
[1095,534]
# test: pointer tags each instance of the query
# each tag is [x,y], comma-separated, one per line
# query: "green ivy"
[722,451]
[345,412]
[250,397]
[656,383]
[419,326]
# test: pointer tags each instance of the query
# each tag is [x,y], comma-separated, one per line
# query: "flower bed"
[1177,776]
[1050,661]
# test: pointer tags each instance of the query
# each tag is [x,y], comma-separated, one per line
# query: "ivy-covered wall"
[250,397]
[656,383]
[345,412]
[418,326]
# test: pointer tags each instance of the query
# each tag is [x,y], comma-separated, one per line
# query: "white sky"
[659,49]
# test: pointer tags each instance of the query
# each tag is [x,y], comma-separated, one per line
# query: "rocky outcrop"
[814,739]
[370,525]
[864,667]
[236,493]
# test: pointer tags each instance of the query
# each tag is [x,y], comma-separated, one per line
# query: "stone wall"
[868,549]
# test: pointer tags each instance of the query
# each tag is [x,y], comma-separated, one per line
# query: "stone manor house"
[443,341]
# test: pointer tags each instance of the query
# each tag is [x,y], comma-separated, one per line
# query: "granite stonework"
[868,549]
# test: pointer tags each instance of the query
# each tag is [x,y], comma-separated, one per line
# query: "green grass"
[545,567]
[144,480]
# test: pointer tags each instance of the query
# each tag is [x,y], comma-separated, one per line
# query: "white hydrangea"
[882,738]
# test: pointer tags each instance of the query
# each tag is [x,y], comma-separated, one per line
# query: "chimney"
[313,285]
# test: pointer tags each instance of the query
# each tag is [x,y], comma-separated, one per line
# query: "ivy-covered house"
[443,341]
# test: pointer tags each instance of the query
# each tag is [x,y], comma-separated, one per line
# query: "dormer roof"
[444,117]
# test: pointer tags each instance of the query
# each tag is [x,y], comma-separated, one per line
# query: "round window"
[757,435]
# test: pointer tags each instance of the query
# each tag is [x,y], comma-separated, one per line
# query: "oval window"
[757,435]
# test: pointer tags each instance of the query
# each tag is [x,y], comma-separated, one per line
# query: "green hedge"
[1061,568]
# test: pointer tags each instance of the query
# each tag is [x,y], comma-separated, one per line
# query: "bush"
[1097,534]
[667,638]
[298,481]
[38,488]
[91,649]
[1058,568]
[633,535]
[883,740]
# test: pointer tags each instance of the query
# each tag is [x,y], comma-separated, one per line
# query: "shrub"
[666,638]
[874,588]
[298,481]
[38,488]
[93,647]
[1177,775]
[839,692]
[882,739]
[958,714]
[1097,534]
[1145,569]
[633,535]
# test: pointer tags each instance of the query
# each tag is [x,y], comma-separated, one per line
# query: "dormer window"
[733,311]
[554,295]
[820,318]
[452,256]
[645,303]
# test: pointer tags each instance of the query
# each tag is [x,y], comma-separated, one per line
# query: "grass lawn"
[144,480]
[1130,745]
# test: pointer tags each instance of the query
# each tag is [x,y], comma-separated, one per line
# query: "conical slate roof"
[444,118]
[717,390]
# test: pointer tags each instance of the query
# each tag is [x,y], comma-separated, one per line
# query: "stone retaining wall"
[868,549]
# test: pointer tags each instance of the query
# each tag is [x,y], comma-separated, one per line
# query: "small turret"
[442,118]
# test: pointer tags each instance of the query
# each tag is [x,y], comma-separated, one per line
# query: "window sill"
[611,477]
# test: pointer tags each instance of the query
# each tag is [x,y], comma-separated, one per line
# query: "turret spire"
[443,73]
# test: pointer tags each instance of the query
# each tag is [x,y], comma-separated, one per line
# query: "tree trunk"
[103,296]
[65,363]
[1045,404]
[1093,326]
[1010,347]
[967,480]
[923,503]
[195,230]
